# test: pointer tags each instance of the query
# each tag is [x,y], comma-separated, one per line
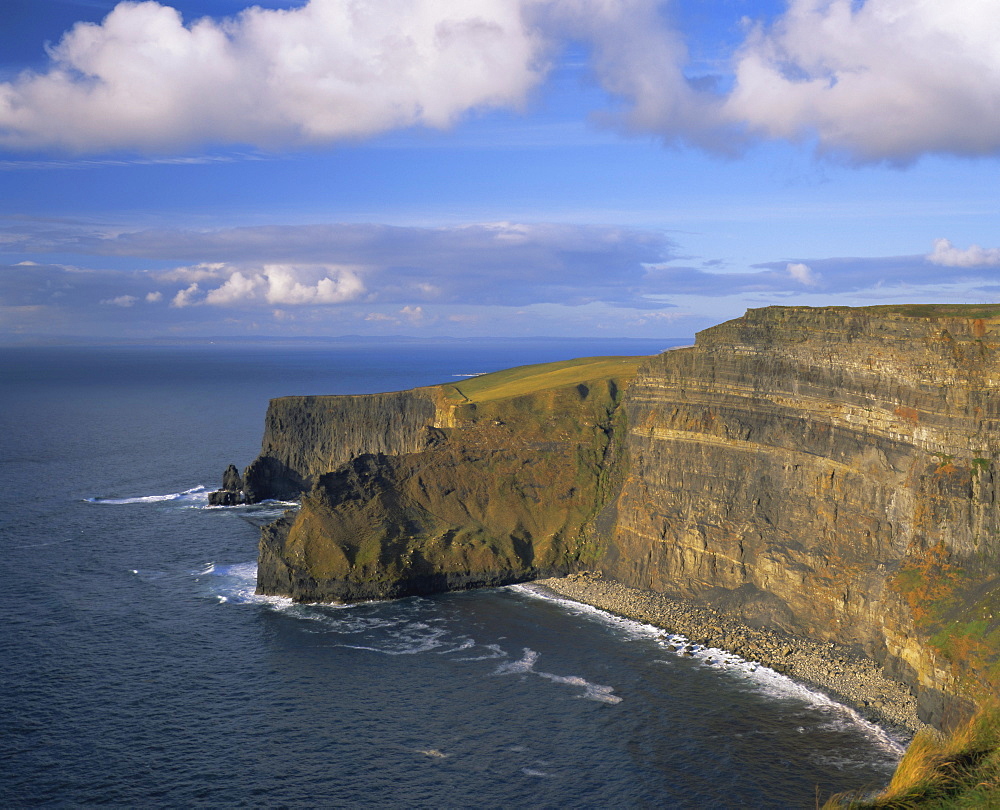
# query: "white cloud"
[284,286]
[325,71]
[412,314]
[121,301]
[875,80]
[803,274]
[947,255]
[186,297]
[238,288]
[204,271]
[637,56]
[154,297]
[880,80]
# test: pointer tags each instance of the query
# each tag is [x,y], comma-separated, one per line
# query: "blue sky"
[489,167]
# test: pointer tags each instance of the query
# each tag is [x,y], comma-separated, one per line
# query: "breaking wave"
[764,679]
[526,665]
[198,494]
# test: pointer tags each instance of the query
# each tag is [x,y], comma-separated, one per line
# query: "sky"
[626,168]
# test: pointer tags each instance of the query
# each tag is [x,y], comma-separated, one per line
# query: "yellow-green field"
[984,311]
[513,382]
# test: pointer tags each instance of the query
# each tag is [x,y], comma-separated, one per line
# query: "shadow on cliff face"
[269,478]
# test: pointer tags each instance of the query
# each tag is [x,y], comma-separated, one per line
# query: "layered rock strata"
[826,472]
[795,462]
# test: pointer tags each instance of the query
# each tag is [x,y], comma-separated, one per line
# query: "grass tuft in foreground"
[957,770]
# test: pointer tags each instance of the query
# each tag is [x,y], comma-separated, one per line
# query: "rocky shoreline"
[838,671]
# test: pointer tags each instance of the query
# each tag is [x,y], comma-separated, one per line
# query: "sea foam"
[764,679]
[195,494]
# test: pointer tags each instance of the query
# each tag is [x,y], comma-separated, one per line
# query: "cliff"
[493,481]
[305,437]
[830,472]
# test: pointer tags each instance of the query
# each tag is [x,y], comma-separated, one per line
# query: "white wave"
[198,493]
[494,652]
[477,374]
[260,509]
[237,584]
[534,772]
[526,664]
[765,679]
[463,644]
[411,640]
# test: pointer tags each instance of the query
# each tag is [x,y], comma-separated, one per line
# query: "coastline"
[836,670]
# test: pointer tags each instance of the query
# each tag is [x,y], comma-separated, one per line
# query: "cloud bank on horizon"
[884,80]
[394,275]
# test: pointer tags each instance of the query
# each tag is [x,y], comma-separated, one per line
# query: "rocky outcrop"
[827,472]
[231,493]
[306,437]
[506,493]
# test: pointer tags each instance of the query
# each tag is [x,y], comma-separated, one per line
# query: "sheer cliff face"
[828,471]
[305,437]
[796,464]
[500,492]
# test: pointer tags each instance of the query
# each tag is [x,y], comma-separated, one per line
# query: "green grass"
[513,382]
[957,770]
[942,310]
[971,311]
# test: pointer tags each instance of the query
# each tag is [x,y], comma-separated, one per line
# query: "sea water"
[138,667]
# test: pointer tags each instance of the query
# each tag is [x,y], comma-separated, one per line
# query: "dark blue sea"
[138,668]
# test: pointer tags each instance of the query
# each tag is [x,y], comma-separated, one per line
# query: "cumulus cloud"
[638,57]
[880,80]
[186,297]
[947,255]
[509,264]
[325,71]
[866,278]
[287,285]
[411,315]
[237,289]
[411,276]
[336,287]
[877,80]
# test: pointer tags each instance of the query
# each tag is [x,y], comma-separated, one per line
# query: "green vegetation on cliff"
[956,610]
[960,769]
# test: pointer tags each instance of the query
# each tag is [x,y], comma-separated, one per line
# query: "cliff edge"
[830,472]
[492,481]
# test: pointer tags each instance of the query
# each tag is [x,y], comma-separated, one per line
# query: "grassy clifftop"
[523,380]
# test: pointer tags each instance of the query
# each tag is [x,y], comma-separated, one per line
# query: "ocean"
[139,668]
